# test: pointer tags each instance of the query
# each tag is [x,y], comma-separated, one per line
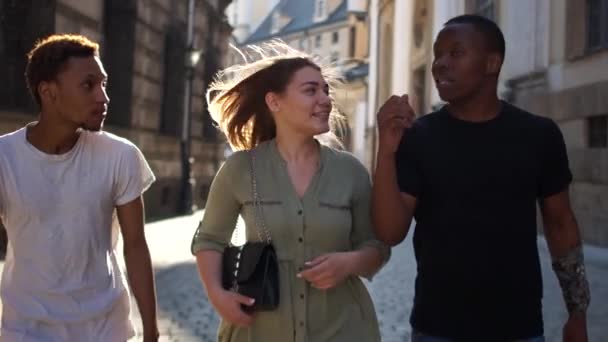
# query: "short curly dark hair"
[487,27]
[51,54]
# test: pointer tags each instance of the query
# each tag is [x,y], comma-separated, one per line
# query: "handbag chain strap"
[258,211]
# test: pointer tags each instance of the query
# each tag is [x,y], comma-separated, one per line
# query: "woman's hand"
[328,270]
[228,305]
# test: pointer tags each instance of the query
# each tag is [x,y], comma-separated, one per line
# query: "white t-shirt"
[58,211]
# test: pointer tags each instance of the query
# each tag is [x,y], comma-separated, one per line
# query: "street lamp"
[193,56]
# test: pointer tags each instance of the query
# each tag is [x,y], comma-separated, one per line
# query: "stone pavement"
[186,315]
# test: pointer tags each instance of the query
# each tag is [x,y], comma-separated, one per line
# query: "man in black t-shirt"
[471,174]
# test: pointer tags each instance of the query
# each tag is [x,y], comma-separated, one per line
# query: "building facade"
[335,30]
[556,65]
[144,49]
[246,15]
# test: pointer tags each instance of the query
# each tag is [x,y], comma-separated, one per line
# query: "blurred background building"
[152,67]
[556,65]
[335,30]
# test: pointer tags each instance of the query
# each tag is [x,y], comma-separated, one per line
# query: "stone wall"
[143,48]
[570,108]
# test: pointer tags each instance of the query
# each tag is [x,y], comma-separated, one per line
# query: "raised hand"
[394,116]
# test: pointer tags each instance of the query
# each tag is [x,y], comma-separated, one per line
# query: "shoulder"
[9,139]
[238,161]
[426,124]
[109,142]
[9,146]
[536,124]
[428,120]
[344,162]
[424,127]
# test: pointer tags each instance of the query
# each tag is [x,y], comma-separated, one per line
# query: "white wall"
[372,89]
[358,134]
[402,42]
[249,15]
[526,26]
[443,10]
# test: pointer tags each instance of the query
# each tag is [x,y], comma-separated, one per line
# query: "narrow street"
[186,315]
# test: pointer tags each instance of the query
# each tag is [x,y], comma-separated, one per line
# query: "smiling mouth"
[321,115]
[444,82]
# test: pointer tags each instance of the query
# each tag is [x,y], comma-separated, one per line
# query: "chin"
[446,96]
[92,127]
[321,130]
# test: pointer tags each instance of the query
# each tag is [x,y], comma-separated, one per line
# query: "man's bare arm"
[139,264]
[563,238]
[392,210]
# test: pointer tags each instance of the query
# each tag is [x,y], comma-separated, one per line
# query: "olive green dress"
[332,216]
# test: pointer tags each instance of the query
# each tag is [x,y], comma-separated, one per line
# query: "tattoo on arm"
[570,271]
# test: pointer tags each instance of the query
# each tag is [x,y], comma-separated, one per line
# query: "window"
[276,23]
[318,41]
[597,131]
[486,8]
[334,57]
[597,24]
[172,107]
[353,41]
[16,38]
[335,37]
[320,9]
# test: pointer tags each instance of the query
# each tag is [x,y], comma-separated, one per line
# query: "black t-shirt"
[476,186]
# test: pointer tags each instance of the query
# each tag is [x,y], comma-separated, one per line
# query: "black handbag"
[252,269]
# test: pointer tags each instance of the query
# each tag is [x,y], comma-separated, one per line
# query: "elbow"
[391,239]
[388,232]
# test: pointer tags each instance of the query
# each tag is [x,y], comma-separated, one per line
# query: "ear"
[272,101]
[47,92]
[494,64]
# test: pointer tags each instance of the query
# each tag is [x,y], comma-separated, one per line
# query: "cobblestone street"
[185,314]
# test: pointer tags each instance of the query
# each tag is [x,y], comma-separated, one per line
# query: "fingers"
[316,261]
[243,299]
[320,278]
[394,109]
[309,274]
[313,268]
[243,319]
[237,315]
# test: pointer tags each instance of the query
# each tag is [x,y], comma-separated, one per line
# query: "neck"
[295,149]
[51,136]
[484,105]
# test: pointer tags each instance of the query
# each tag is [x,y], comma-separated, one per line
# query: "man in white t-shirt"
[61,181]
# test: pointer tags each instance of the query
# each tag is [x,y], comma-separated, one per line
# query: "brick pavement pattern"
[186,315]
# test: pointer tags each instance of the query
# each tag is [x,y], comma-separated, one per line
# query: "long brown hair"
[236,98]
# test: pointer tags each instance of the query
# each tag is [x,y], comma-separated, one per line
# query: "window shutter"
[576,29]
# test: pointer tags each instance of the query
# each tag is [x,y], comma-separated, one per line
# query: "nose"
[440,63]
[101,95]
[325,99]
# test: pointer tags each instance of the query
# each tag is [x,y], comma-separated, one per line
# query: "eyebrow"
[313,83]
[94,76]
